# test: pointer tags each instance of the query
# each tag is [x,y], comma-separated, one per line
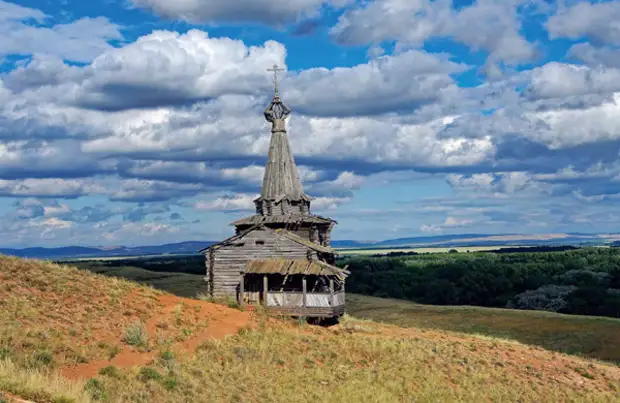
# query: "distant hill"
[192,247]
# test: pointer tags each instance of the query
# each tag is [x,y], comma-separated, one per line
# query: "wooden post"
[331,292]
[265,289]
[241,290]
[303,282]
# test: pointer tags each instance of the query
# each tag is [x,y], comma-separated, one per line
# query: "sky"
[137,122]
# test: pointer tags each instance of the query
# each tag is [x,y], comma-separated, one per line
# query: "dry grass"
[47,311]
[593,337]
[40,385]
[364,361]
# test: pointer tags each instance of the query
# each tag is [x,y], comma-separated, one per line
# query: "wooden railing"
[311,300]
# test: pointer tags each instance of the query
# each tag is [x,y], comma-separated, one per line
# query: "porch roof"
[291,266]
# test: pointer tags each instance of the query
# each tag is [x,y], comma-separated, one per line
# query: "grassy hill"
[71,336]
[588,336]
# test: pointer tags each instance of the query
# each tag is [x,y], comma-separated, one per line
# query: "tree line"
[583,281]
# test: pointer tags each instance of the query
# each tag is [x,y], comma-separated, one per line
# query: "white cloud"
[598,21]
[560,80]
[165,68]
[229,203]
[273,12]
[595,56]
[328,203]
[488,25]
[403,82]
[22,33]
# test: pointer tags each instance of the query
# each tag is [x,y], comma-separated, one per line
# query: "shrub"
[96,389]
[135,335]
[44,358]
[4,353]
[148,373]
[546,298]
[110,371]
[166,355]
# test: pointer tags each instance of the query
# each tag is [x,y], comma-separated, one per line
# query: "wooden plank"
[265,289]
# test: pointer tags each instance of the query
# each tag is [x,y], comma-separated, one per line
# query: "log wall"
[226,264]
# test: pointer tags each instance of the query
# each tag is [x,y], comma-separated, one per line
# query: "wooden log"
[241,290]
[303,283]
[265,289]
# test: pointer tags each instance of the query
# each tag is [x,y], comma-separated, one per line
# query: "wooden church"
[281,256]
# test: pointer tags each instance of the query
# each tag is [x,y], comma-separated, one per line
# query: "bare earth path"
[220,322]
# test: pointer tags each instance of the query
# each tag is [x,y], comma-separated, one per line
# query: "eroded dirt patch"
[169,329]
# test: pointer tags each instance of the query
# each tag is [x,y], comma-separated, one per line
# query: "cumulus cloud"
[597,21]
[561,80]
[488,25]
[170,119]
[595,56]
[272,12]
[386,84]
[23,31]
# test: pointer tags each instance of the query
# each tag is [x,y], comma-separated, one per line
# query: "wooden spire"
[282,192]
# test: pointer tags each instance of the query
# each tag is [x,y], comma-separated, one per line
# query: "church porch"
[295,288]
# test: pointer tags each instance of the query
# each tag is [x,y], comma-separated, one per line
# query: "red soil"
[219,321]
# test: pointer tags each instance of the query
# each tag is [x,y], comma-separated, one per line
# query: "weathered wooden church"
[281,256]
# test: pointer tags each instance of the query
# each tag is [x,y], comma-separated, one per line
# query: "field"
[460,249]
[586,336]
[71,336]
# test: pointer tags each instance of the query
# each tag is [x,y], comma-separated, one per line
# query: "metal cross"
[275,70]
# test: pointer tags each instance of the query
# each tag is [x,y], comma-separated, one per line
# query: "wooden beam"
[241,290]
[303,282]
[265,289]
[331,292]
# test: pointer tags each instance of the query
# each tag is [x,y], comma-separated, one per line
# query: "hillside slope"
[588,336]
[68,335]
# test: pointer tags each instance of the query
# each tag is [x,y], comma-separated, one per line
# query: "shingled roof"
[291,266]
[290,218]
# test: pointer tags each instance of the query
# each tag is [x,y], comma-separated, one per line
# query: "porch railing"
[312,300]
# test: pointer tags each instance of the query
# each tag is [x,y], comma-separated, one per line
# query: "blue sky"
[140,121]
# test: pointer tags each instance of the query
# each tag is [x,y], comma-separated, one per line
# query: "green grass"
[594,337]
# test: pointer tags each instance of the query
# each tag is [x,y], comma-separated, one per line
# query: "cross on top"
[275,70]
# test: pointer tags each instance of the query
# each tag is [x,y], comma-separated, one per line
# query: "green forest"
[580,281]
[583,281]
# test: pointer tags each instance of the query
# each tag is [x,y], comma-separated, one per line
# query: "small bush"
[96,389]
[4,353]
[113,351]
[148,373]
[233,303]
[135,335]
[110,371]
[44,358]
[166,355]
[170,383]
[3,399]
